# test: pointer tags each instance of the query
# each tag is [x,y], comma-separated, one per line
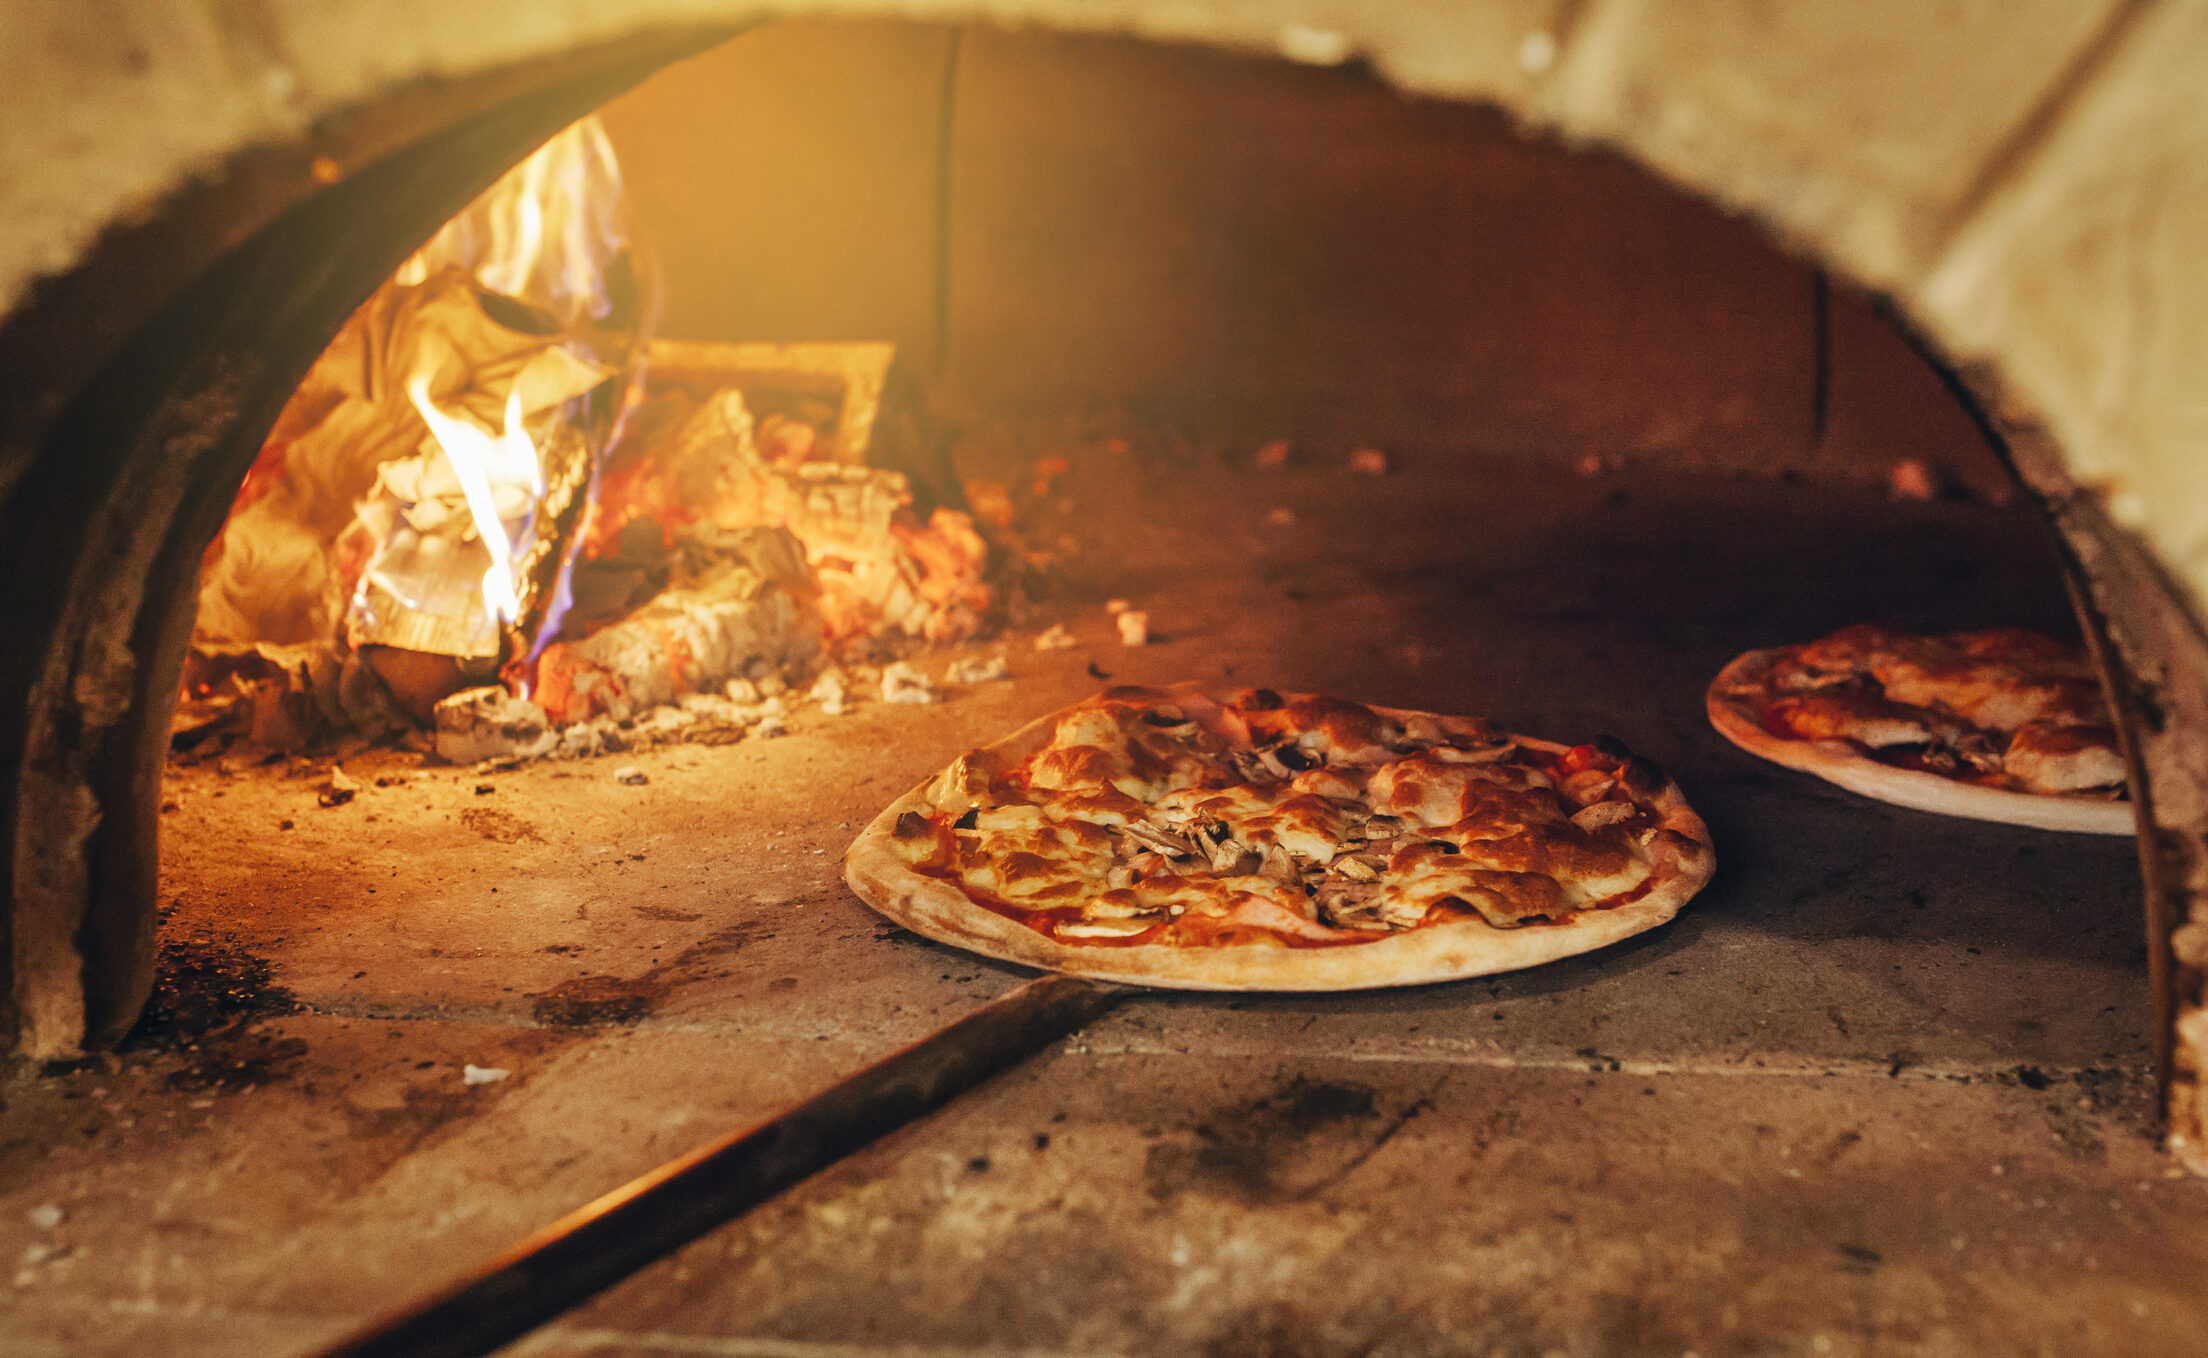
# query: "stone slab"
[1097,1204]
[1853,969]
[320,1170]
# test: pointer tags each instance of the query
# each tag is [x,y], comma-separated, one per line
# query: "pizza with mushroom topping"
[1268,841]
[2004,724]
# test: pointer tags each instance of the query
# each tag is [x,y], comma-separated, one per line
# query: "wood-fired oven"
[1528,358]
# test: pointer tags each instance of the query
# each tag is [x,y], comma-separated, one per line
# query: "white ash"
[46,1216]
[903,682]
[712,705]
[581,741]
[1134,628]
[681,642]
[741,690]
[319,687]
[975,669]
[1115,607]
[489,723]
[663,724]
[482,1075]
[1058,638]
[832,690]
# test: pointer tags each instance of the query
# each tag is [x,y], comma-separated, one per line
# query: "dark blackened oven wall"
[1246,250]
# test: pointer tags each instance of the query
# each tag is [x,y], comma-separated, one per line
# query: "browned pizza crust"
[938,909]
[1738,719]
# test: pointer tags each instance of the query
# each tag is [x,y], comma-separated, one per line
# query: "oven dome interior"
[1626,436]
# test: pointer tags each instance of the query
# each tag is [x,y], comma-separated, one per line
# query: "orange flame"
[486,464]
[544,232]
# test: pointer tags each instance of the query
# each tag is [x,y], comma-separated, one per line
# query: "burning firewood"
[473,484]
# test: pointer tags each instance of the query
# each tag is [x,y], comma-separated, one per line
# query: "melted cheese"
[2047,757]
[1020,855]
[1438,788]
[1479,829]
[1311,828]
[1997,679]
[1850,714]
[1588,864]
[1989,694]
[1421,876]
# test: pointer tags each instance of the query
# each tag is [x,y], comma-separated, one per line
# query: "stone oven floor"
[1882,1089]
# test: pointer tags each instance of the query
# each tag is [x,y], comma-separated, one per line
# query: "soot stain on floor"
[1287,1146]
[593,1001]
[207,992]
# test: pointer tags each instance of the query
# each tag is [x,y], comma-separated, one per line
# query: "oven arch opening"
[87,889]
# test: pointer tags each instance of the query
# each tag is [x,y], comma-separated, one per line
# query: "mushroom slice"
[1587,786]
[1595,815]
[1151,863]
[1478,754]
[1355,869]
[1104,928]
[1276,863]
[1230,857]
[1350,905]
[1976,750]
[1164,841]
[1383,827]
[1252,767]
[1398,913]
[1422,731]
[1117,905]
[1288,759]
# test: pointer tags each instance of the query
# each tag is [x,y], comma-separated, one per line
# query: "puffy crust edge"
[936,909]
[1838,762]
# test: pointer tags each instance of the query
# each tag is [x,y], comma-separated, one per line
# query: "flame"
[485,463]
[545,232]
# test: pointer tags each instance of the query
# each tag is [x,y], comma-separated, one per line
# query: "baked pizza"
[1268,841]
[2005,724]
